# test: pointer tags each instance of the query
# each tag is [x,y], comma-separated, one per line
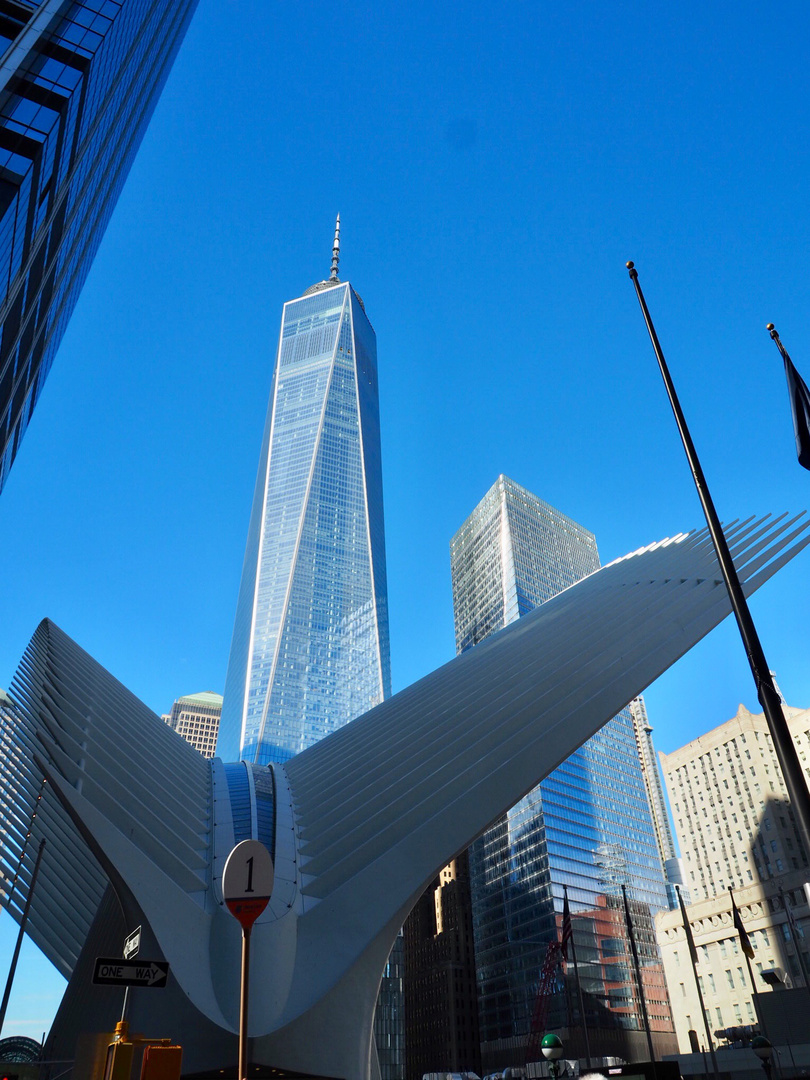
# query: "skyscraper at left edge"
[79,81]
[310,647]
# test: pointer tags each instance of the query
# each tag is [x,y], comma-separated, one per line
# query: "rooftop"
[205,697]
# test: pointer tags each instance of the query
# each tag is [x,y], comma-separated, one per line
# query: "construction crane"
[548,977]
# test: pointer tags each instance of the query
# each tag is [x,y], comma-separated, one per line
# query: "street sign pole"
[132,945]
[247,882]
[243,1002]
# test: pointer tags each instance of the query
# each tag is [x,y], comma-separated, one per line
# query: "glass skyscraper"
[79,80]
[310,648]
[587,825]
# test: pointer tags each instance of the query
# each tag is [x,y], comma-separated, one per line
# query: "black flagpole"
[690,944]
[645,1018]
[766,691]
[754,994]
[579,989]
[794,937]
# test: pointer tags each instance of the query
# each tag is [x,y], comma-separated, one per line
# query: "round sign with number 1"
[247,881]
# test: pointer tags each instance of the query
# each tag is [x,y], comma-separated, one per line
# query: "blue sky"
[494,166]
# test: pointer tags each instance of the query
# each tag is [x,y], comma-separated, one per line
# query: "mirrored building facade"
[78,85]
[310,648]
[588,825]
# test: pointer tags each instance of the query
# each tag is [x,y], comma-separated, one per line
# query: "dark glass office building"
[441,1003]
[588,825]
[78,84]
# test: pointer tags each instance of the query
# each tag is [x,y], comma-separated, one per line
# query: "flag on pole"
[745,941]
[794,933]
[799,403]
[567,928]
[687,929]
[800,407]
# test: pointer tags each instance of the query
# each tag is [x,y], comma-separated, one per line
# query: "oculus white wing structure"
[358,824]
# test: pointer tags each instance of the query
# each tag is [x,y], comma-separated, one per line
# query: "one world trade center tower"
[310,647]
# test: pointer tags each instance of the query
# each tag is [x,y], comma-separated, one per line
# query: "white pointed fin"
[403,788]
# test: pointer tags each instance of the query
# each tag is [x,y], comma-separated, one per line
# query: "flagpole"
[767,693]
[690,941]
[579,986]
[637,966]
[794,935]
[763,1027]
[736,919]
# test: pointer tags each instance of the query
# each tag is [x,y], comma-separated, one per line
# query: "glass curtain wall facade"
[78,85]
[587,825]
[310,647]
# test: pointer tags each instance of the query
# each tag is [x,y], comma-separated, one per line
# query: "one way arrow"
[155,973]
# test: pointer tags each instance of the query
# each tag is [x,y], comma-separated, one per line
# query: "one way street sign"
[148,973]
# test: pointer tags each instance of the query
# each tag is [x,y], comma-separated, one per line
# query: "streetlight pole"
[23,922]
[552,1050]
[763,1049]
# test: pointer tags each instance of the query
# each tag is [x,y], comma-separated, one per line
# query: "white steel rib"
[509,711]
[104,742]
[363,820]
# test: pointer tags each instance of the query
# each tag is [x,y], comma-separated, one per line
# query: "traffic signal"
[162,1063]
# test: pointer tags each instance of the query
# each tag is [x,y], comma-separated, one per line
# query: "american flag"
[567,929]
[799,403]
[745,941]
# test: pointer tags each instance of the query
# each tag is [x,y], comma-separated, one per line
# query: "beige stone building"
[735,830]
[196,718]
[722,967]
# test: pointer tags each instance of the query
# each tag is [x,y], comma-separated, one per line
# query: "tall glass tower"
[310,646]
[588,825]
[79,81]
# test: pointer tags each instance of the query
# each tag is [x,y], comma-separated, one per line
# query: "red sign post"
[247,882]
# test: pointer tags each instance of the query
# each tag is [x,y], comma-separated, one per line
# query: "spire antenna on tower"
[336,252]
